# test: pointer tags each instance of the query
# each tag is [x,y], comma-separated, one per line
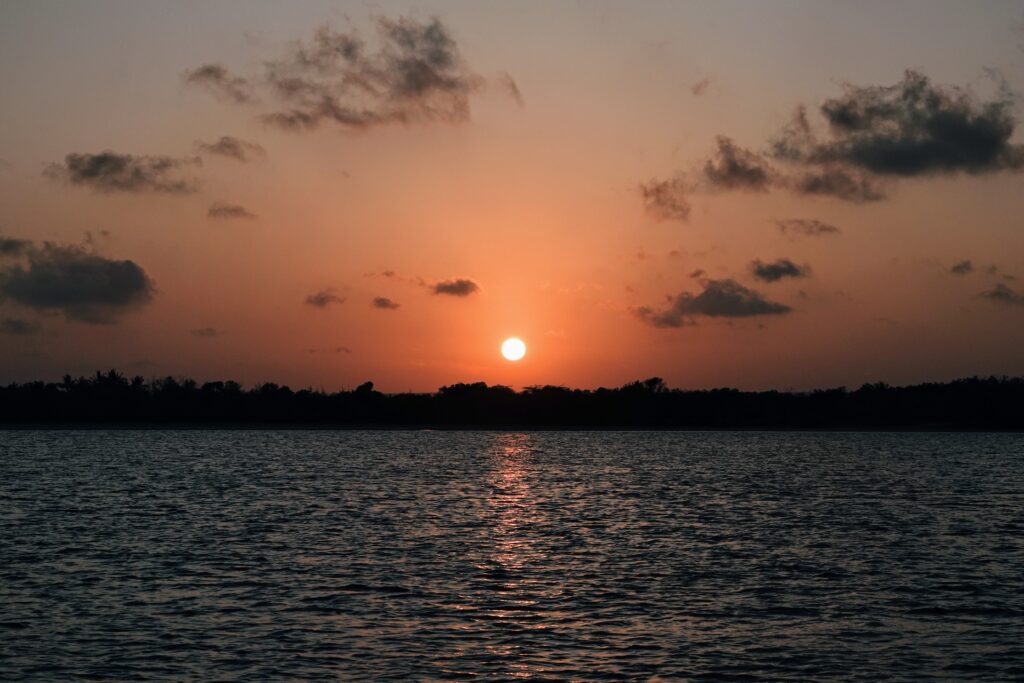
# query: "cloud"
[335,349]
[232,148]
[837,182]
[83,285]
[204,332]
[456,287]
[912,128]
[735,168]
[222,211]
[809,227]
[719,299]
[385,303]
[508,84]
[872,134]
[666,199]
[324,298]
[700,87]
[414,73]
[112,172]
[13,247]
[1003,295]
[962,268]
[19,327]
[222,83]
[781,268]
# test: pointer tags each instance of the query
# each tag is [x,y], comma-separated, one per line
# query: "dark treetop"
[113,399]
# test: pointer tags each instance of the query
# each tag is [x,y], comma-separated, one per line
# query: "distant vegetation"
[113,399]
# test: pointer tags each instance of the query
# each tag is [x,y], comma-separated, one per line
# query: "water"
[246,555]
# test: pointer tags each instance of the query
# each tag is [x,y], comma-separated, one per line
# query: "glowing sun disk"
[513,348]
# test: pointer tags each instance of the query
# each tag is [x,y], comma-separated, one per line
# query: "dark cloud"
[223,211]
[912,128]
[700,87]
[777,270]
[385,303]
[1003,295]
[13,247]
[221,82]
[231,147]
[841,183]
[962,268]
[83,285]
[666,199]
[112,172]
[204,332]
[508,84]
[19,327]
[456,287]
[719,299]
[324,298]
[735,168]
[809,227]
[415,74]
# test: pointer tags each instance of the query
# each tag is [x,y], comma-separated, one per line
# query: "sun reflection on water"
[513,509]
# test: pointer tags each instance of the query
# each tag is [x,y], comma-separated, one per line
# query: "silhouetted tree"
[110,398]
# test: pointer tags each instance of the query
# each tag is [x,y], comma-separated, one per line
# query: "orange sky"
[440,173]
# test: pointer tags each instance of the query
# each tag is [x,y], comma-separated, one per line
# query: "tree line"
[113,399]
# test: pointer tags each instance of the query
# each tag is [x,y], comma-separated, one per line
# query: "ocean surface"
[290,555]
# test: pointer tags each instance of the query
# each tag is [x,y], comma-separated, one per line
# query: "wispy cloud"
[112,172]
[324,298]
[806,227]
[509,85]
[232,148]
[666,199]
[412,73]
[962,267]
[221,82]
[1003,295]
[222,211]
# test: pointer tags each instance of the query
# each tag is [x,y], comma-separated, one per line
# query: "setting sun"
[513,348]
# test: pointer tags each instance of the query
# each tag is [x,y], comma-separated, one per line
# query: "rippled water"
[428,555]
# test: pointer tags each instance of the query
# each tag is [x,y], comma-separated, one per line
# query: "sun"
[513,348]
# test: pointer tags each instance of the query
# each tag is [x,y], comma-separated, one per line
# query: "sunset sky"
[749,194]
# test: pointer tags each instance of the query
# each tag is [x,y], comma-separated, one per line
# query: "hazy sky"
[752,194]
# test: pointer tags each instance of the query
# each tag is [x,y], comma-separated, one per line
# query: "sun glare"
[513,348]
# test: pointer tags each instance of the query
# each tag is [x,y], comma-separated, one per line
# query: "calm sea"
[255,555]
